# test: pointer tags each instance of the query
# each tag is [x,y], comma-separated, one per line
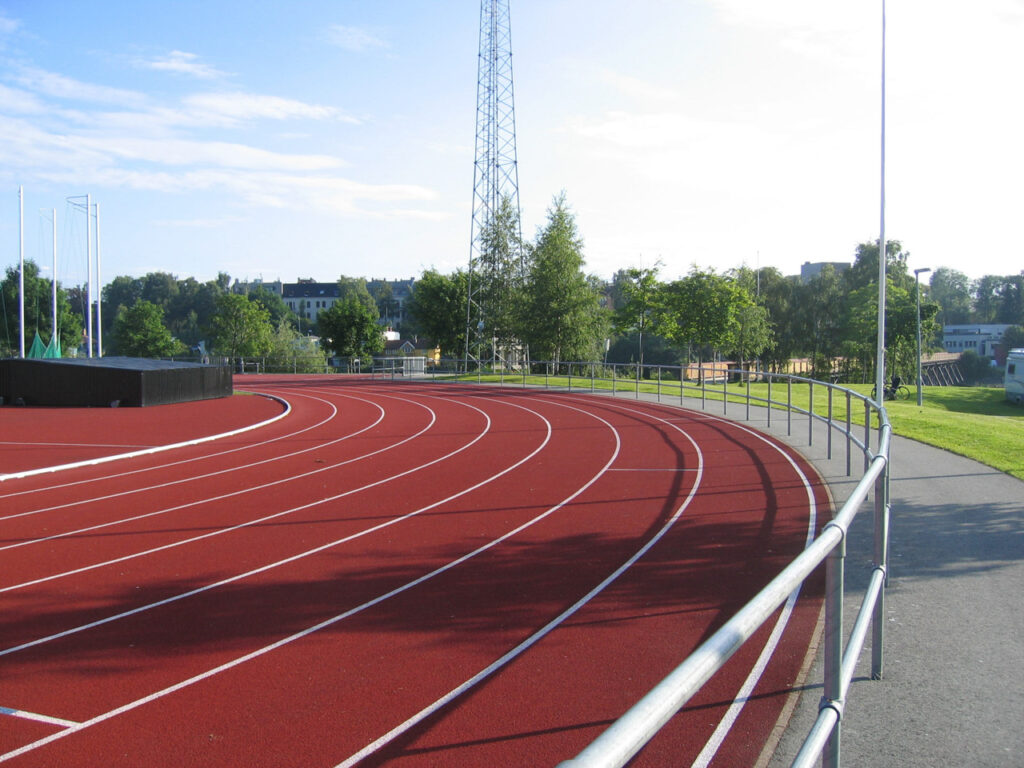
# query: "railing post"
[789,406]
[725,392]
[828,434]
[833,671]
[747,377]
[849,433]
[810,413]
[881,556]
[769,401]
[867,434]
[658,369]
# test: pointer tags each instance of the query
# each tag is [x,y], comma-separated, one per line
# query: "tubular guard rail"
[628,735]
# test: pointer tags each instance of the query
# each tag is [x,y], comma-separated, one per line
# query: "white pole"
[99,289]
[21,272]
[880,369]
[88,280]
[53,330]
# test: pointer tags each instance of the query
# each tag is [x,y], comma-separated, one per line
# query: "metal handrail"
[622,740]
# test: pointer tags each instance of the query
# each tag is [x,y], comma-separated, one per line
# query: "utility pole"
[495,173]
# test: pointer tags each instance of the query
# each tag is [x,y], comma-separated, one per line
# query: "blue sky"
[314,139]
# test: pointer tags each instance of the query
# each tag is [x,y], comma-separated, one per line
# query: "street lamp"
[917,291]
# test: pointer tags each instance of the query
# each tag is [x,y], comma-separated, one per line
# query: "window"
[1011,368]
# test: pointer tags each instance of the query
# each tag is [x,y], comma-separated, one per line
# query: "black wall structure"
[110,382]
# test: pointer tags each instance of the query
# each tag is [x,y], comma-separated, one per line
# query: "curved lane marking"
[148,451]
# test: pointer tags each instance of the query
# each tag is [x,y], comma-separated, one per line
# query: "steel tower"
[496,257]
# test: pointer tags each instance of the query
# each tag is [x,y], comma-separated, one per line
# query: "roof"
[311,291]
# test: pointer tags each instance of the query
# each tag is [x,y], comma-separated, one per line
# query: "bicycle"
[901,392]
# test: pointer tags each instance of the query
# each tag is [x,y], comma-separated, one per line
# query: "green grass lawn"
[976,422]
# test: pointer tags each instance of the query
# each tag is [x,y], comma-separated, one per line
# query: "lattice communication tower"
[495,172]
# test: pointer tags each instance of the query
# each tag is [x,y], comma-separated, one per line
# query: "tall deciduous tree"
[139,331]
[560,316]
[701,309]
[638,291]
[349,328]
[438,309]
[498,274]
[952,290]
[241,328]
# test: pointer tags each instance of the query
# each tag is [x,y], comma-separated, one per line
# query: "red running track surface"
[406,575]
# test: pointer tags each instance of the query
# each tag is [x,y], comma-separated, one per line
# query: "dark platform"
[109,381]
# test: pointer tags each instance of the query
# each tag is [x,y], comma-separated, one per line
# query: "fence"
[627,736]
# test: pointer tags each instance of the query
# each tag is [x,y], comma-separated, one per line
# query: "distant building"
[246,287]
[308,298]
[810,270]
[983,339]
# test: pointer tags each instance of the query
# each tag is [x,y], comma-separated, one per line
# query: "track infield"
[391,574]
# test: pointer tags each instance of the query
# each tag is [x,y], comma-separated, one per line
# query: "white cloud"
[183,63]
[354,39]
[8,26]
[61,87]
[20,102]
[237,106]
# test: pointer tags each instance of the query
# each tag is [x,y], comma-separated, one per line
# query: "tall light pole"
[917,291]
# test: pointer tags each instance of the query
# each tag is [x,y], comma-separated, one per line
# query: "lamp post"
[917,291]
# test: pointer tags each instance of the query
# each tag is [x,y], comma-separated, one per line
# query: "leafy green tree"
[38,311]
[438,309]
[241,328]
[498,275]
[291,352]
[638,290]
[752,333]
[275,306]
[559,316]
[952,291]
[821,319]
[139,331]
[1013,338]
[355,288]
[701,309]
[349,328]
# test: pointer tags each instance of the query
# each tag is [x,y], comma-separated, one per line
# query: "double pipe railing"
[628,735]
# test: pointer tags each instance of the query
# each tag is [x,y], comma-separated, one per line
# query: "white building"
[980,338]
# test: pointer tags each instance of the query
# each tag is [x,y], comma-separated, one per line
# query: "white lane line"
[725,725]
[140,470]
[188,479]
[239,526]
[533,639]
[301,555]
[148,451]
[317,627]
[37,717]
[716,739]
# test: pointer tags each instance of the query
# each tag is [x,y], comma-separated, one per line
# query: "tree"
[275,306]
[952,291]
[355,288]
[559,316]
[1013,338]
[349,329]
[701,309]
[290,351]
[498,274]
[638,290]
[438,309]
[139,331]
[752,333]
[241,328]
[38,311]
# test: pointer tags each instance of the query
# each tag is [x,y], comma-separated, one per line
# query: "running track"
[388,574]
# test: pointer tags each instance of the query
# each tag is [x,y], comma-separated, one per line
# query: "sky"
[322,138]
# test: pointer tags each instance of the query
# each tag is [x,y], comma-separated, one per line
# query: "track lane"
[647,485]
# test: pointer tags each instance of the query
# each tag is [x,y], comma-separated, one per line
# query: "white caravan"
[1014,381]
